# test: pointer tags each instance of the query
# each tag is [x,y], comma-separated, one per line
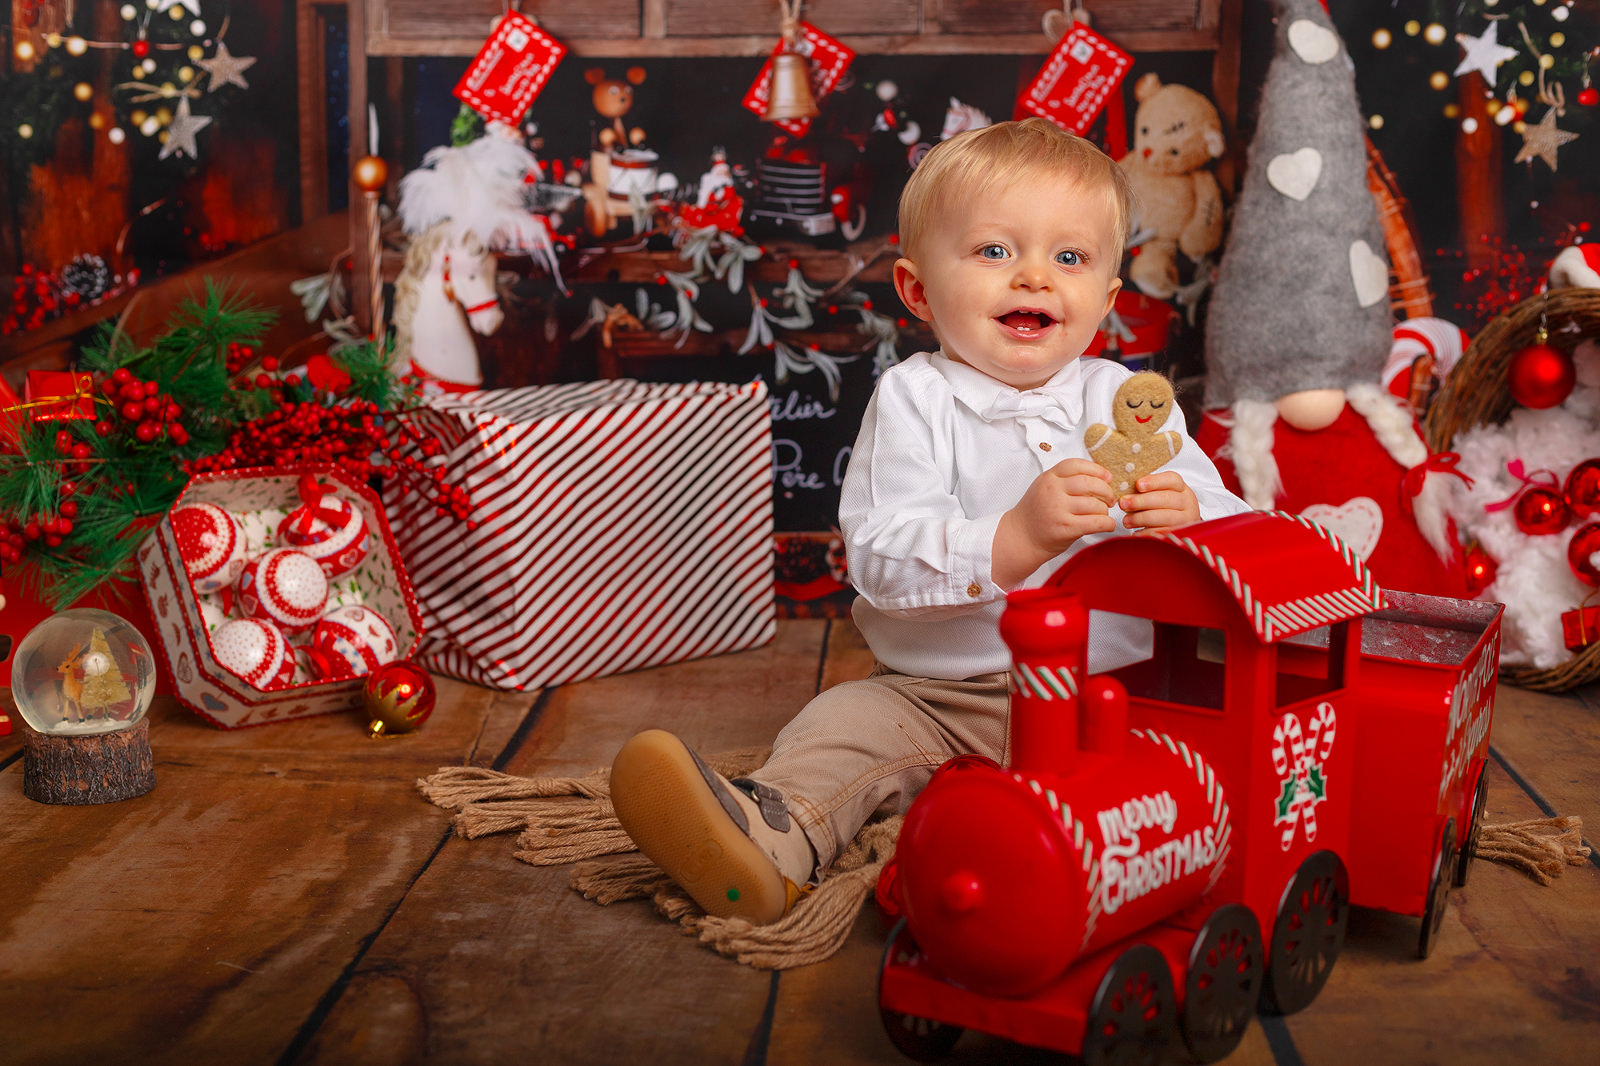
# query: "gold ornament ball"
[97,121]
[83,90]
[370,173]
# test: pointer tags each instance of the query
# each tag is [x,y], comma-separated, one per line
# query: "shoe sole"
[669,810]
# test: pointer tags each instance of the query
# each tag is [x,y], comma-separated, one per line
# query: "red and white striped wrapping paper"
[621,524]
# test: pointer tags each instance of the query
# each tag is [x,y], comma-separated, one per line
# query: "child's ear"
[908,283]
[1111,296]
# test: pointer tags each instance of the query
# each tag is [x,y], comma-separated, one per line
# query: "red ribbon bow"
[1412,482]
[312,493]
[1538,477]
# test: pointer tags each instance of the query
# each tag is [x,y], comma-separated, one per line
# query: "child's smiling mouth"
[1026,322]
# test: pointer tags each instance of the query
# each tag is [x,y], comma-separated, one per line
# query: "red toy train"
[1177,843]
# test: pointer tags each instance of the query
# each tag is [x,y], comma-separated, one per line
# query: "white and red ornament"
[351,641]
[211,545]
[329,528]
[1576,266]
[285,586]
[254,650]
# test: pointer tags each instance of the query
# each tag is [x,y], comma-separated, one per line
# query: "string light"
[1382,38]
[1439,80]
[1413,27]
[1434,34]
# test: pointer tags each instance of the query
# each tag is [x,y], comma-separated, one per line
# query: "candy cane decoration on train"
[1300,766]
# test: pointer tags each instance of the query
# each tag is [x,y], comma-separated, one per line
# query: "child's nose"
[1031,274]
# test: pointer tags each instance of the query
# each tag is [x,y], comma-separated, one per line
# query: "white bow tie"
[1033,404]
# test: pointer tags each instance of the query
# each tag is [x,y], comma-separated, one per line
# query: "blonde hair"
[971,163]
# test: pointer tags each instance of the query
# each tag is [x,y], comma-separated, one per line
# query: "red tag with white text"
[1073,84]
[511,69]
[826,61]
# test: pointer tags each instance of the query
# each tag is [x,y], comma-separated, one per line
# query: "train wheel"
[1307,934]
[1480,802]
[1226,968]
[1133,1013]
[1444,872]
[922,1039]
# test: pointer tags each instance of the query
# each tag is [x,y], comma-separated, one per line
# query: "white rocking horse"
[445,293]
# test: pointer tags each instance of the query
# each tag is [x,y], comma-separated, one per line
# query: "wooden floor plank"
[202,921]
[1511,979]
[1553,743]
[491,960]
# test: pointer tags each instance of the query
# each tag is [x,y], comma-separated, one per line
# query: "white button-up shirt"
[944,451]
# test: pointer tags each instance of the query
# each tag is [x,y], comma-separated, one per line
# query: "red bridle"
[450,292]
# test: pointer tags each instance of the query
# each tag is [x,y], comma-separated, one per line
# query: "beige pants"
[869,746]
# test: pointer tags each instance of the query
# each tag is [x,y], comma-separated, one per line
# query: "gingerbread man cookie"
[1136,446]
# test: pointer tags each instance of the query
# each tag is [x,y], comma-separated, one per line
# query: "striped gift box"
[621,524]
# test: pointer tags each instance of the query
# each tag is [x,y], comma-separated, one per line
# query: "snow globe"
[83,680]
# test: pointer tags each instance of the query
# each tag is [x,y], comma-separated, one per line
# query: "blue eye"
[993,251]
[1070,259]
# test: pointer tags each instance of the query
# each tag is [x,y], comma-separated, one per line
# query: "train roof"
[1285,572]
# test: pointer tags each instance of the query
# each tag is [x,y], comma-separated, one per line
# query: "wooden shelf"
[646,28]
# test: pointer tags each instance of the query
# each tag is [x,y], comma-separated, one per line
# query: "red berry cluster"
[36,298]
[50,528]
[142,407]
[354,436]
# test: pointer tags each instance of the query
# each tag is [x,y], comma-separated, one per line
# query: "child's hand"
[1066,502]
[1162,501]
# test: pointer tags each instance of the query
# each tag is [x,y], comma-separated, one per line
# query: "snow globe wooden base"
[83,680]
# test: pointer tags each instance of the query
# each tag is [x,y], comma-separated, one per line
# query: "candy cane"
[1322,730]
[1289,743]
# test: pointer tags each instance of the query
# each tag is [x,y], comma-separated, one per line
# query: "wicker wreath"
[1475,394]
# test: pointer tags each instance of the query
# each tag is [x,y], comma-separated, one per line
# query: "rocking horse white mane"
[446,286]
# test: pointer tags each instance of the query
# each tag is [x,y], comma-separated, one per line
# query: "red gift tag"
[58,395]
[1580,627]
[1073,84]
[510,70]
[826,61]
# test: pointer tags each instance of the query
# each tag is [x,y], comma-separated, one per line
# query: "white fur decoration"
[1250,448]
[478,186]
[1533,579]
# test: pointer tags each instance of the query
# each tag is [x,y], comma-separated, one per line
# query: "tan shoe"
[732,847]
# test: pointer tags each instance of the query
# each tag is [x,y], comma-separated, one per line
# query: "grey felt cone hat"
[1301,297]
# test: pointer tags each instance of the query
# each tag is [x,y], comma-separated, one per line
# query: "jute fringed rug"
[1539,847]
[570,819]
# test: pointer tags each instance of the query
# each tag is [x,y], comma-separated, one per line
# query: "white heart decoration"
[1056,24]
[1295,174]
[1357,521]
[1369,272]
[1312,43]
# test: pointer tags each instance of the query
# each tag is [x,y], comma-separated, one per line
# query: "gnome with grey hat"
[1300,329]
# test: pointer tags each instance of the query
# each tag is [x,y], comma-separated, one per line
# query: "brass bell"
[790,96]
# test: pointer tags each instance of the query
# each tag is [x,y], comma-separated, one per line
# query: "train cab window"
[1311,663]
[1185,667]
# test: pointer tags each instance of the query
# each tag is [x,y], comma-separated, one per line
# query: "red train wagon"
[1176,844]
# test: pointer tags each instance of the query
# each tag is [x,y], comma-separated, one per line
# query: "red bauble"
[1582,488]
[398,697]
[1588,96]
[1481,570]
[1580,553]
[1541,511]
[141,48]
[1540,376]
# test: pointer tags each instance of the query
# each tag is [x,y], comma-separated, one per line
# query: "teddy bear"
[622,172]
[1177,132]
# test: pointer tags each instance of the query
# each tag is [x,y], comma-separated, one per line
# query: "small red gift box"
[59,395]
[1580,627]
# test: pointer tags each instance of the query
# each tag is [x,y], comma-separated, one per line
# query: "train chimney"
[1047,631]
